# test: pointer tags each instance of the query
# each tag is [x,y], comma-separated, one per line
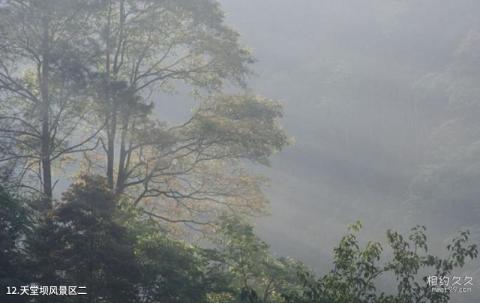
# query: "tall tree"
[42,72]
[62,60]
[148,48]
[147,45]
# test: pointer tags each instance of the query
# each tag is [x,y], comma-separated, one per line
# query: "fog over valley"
[378,136]
[240,151]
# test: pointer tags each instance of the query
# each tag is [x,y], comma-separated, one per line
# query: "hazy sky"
[357,79]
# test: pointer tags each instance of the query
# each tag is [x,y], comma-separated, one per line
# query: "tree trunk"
[123,156]
[111,109]
[45,114]
[111,150]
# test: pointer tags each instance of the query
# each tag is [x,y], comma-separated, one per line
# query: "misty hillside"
[225,151]
[355,79]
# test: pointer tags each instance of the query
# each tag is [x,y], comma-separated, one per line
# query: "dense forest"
[98,190]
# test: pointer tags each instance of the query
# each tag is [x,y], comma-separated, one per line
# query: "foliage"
[124,255]
[257,276]
[81,243]
[15,224]
[171,270]
[357,269]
